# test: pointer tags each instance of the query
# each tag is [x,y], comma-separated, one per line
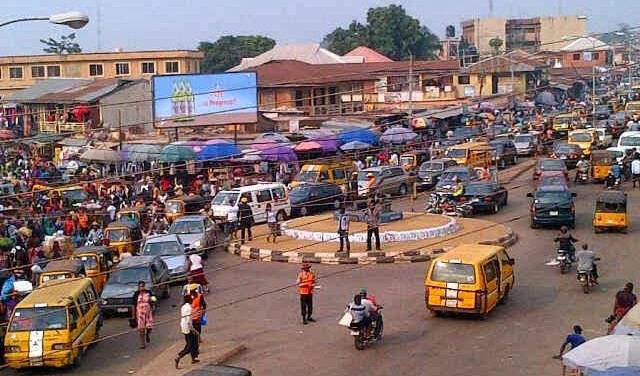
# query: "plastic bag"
[204,319]
[346,320]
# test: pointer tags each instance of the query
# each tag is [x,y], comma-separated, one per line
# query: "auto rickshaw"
[133,214]
[61,269]
[97,261]
[183,205]
[122,237]
[412,160]
[601,162]
[611,211]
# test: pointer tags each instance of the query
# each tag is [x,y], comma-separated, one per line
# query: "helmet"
[244,199]
[363,291]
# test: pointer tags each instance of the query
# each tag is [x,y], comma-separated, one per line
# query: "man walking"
[343,229]
[635,170]
[306,282]
[373,221]
[245,216]
[190,336]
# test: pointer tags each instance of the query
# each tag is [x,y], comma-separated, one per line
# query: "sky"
[164,24]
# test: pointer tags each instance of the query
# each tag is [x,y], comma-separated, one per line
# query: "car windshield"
[169,248]
[90,262]
[630,141]
[307,176]
[449,177]
[432,166]
[553,197]
[456,153]
[225,198]
[580,137]
[552,165]
[633,107]
[118,235]
[453,273]
[478,189]
[362,175]
[38,319]
[130,276]
[300,192]
[187,227]
[521,139]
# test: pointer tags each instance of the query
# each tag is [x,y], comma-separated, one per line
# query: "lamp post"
[74,20]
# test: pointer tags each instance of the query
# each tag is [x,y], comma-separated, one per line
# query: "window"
[73,314]
[83,304]
[576,57]
[53,71]
[299,98]
[37,71]
[595,56]
[263,196]
[453,273]
[96,70]
[464,80]
[319,98]
[333,97]
[122,69]
[394,83]
[278,193]
[338,174]
[490,272]
[15,73]
[148,67]
[171,67]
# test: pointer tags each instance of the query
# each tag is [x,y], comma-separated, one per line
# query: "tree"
[390,31]
[228,51]
[66,44]
[496,46]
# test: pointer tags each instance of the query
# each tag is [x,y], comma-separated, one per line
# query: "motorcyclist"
[582,167]
[587,262]
[359,313]
[94,236]
[617,170]
[610,181]
[458,191]
[373,306]
[565,242]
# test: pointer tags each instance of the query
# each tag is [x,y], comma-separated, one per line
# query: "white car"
[618,152]
[258,196]
[605,139]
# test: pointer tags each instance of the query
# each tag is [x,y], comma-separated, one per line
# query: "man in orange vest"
[306,282]
[198,307]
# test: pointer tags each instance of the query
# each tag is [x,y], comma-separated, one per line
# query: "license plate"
[563,157]
[122,310]
[560,258]
[553,213]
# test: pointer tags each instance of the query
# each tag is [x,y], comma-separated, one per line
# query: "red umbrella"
[307,146]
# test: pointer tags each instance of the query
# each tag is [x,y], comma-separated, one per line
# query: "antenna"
[490,8]
[99,26]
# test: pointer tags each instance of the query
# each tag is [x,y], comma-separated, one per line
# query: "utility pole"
[593,98]
[410,88]
[119,130]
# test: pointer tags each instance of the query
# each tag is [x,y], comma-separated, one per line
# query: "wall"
[132,105]
[568,61]
[554,29]
[480,31]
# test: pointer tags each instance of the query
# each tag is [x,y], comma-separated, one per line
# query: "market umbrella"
[630,323]
[604,352]
[196,145]
[143,152]
[277,137]
[486,106]
[265,143]
[397,135]
[100,155]
[306,146]
[214,141]
[219,152]
[177,153]
[617,371]
[546,98]
[355,145]
[279,153]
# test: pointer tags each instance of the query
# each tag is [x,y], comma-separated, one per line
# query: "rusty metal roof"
[67,91]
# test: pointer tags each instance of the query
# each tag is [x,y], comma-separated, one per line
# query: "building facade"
[479,31]
[20,72]
[543,33]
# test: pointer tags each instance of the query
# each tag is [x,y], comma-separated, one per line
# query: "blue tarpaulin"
[358,134]
[219,151]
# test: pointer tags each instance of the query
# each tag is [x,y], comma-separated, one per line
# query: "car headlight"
[197,244]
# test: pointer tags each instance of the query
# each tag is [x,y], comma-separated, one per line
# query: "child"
[272,222]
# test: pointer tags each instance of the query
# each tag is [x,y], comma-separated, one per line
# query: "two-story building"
[586,52]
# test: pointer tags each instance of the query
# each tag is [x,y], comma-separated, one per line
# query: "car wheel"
[403,190]
[496,207]
[303,211]
[281,216]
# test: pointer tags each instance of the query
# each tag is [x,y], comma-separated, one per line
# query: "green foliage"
[390,31]
[228,51]
[66,44]
[496,45]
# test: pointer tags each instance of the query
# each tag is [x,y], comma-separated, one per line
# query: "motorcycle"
[563,261]
[586,279]
[442,204]
[583,176]
[363,337]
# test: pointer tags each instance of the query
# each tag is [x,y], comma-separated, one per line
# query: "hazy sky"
[164,24]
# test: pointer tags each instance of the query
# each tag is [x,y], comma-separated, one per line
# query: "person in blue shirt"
[574,340]
[617,170]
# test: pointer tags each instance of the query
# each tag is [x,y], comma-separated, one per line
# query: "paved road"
[518,338]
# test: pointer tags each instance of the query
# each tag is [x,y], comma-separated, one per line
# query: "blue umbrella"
[617,371]
[219,151]
[397,135]
[358,134]
[355,145]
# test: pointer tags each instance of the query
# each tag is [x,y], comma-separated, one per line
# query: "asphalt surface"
[256,304]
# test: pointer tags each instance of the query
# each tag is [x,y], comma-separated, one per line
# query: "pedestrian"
[635,171]
[306,283]
[373,223]
[272,223]
[142,313]
[343,229]
[190,336]
[574,340]
[625,300]
[232,222]
[245,216]
[196,270]
[198,308]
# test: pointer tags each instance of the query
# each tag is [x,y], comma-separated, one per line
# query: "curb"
[228,355]
[337,258]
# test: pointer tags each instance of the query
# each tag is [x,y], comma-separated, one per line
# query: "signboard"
[198,100]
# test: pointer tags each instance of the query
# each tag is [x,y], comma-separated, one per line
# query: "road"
[518,338]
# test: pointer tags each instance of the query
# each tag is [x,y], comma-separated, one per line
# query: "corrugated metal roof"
[586,44]
[43,87]
[69,91]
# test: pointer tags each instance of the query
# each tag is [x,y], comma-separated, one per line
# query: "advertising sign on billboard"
[197,100]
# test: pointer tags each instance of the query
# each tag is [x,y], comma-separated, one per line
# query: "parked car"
[390,180]
[526,144]
[117,295]
[448,178]
[486,196]
[429,172]
[504,151]
[552,206]
[569,153]
[198,232]
[170,248]
[547,178]
[310,198]
[549,164]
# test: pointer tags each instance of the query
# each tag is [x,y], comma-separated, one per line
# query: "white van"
[629,140]
[259,195]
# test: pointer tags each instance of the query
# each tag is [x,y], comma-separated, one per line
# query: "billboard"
[197,100]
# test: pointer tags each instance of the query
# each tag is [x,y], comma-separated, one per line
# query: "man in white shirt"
[190,337]
[635,170]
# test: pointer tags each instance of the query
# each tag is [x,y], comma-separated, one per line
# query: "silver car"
[390,180]
[526,144]
[171,250]
[198,232]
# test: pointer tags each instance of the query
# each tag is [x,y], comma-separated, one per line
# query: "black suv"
[552,206]
[310,198]
[504,152]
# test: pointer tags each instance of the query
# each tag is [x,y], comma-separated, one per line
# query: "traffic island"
[416,238]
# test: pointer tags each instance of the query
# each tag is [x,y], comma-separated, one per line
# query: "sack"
[133,323]
[346,320]
[204,320]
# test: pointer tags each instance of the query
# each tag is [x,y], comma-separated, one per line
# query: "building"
[586,52]
[310,53]
[543,33]
[479,31]
[20,72]
[368,55]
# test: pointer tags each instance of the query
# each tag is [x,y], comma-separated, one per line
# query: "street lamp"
[75,20]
